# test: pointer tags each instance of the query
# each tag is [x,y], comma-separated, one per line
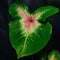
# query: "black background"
[6,50]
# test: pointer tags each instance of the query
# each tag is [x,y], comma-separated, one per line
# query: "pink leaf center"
[29,24]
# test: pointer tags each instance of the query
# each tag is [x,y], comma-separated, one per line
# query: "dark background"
[6,50]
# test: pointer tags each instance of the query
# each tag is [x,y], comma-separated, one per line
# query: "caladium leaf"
[27,35]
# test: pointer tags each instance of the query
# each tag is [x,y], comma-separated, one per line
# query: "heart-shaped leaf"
[27,35]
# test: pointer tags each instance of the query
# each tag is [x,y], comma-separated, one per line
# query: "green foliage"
[38,39]
[54,55]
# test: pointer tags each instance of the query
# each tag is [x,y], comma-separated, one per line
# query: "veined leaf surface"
[27,34]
